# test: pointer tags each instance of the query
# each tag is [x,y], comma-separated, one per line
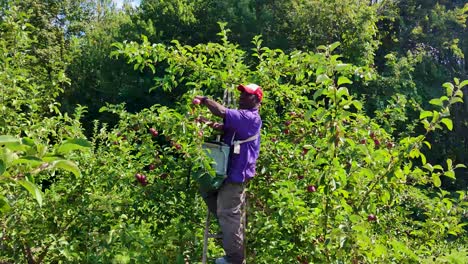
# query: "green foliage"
[333,183]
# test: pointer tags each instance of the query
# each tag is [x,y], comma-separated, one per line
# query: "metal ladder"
[206,236]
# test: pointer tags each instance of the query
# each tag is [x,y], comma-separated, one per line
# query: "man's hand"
[216,108]
[199,99]
[203,120]
[214,125]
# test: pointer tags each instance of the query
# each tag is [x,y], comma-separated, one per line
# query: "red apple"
[138,176]
[376,142]
[287,123]
[143,180]
[371,218]
[153,132]
[305,151]
[311,188]
[163,176]
[152,167]
[372,134]
[300,177]
[390,144]
[196,101]
[286,131]
[363,141]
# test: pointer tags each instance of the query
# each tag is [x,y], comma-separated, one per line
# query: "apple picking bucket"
[219,153]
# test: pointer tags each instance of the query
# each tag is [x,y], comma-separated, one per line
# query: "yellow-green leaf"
[448,123]
[464,83]
[436,180]
[450,174]
[425,114]
[4,205]
[5,139]
[68,166]
[343,80]
[322,78]
[436,101]
[73,144]
[33,190]
[342,66]
[28,160]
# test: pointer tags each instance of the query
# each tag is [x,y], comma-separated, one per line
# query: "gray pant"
[228,205]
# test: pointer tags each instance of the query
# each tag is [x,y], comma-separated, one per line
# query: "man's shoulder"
[246,112]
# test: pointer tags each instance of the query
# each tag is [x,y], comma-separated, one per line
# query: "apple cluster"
[141,178]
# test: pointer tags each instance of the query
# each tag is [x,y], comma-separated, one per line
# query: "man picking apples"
[242,132]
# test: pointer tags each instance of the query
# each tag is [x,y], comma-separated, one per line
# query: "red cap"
[251,88]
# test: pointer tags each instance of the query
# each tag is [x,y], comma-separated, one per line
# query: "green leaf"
[385,196]
[464,83]
[427,144]
[322,78]
[68,166]
[449,87]
[456,100]
[449,164]
[343,80]
[73,144]
[436,101]
[33,190]
[436,180]
[357,104]
[4,205]
[423,158]
[2,167]
[5,139]
[425,114]
[334,45]
[342,91]
[448,123]
[450,174]
[28,160]
[342,66]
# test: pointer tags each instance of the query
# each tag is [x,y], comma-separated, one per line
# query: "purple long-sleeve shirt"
[242,124]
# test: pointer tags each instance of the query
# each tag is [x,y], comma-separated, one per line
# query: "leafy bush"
[332,185]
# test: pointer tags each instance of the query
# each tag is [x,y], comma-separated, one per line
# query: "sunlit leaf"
[33,190]
[425,114]
[436,101]
[67,165]
[343,80]
[342,66]
[4,205]
[334,45]
[450,174]
[464,83]
[28,160]
[5,139]
[448,123]
[322,78]
[436,180]
[73,144]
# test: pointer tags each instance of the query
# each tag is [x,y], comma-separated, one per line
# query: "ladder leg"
[205,238]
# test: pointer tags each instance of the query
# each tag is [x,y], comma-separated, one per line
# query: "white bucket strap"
[236,143]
